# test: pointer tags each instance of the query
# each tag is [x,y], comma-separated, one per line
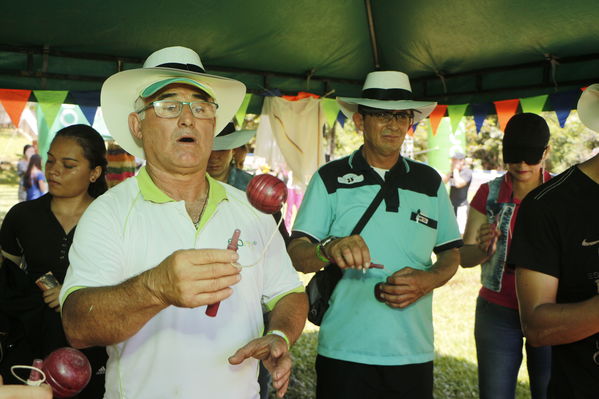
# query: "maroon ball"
[266,193]
[67,371]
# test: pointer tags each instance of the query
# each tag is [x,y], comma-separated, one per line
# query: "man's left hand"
[406,286]
[272,350]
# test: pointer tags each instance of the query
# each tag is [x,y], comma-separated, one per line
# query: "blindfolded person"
[487,239]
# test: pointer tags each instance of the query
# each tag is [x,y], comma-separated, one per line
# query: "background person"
[459,178]
[35,238]
[22,164]
[556,253]
[144,265]
[369,348]
[487,239]
[34,181]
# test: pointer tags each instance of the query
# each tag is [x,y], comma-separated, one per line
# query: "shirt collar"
[151,192]
[359,163]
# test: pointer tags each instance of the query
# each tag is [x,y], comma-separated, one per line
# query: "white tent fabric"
[295,127]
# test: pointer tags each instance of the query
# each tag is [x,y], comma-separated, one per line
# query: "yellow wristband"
[280,334]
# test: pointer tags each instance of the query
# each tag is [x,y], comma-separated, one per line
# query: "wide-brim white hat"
[229,138]
[163,67]
[588,107]
[389,90]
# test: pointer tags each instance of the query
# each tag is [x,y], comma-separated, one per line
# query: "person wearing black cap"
[487,239]
[556,255]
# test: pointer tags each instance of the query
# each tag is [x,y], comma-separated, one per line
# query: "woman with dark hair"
[34,181]
[28,151]
[487,239]
[35,238]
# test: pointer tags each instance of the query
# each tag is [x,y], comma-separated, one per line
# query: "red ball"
[266,193]
[67,371]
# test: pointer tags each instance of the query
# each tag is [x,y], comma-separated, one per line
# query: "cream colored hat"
[388,90]
[163,67]
[588,107]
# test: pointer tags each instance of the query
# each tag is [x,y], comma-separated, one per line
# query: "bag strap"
[372,207]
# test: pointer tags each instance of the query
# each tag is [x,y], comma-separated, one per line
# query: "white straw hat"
[230,138]
[388,90]
[588,107]
[163,67]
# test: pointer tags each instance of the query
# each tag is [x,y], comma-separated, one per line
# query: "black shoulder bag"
[322,284]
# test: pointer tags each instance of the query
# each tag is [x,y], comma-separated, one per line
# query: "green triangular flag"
[534,104]
[240,115]
[456,113]
[50,102]
[331,109]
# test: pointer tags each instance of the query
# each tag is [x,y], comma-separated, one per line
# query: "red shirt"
[507,296]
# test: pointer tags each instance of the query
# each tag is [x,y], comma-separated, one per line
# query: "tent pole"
[375,48]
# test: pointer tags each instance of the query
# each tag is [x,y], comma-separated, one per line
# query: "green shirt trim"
[273,302]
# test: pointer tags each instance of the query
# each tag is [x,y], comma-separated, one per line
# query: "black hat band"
[184,67]
[387,94]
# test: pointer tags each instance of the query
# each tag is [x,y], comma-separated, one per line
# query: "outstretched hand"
[275,356]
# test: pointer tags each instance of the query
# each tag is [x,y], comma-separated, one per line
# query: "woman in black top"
[35,238]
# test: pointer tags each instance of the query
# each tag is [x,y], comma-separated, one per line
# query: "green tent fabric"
[469,52]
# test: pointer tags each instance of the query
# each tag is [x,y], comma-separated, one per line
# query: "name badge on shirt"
[419,217]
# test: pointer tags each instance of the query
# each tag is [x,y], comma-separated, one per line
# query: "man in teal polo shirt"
[369,346]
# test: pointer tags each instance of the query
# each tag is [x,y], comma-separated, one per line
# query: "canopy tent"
[456,52]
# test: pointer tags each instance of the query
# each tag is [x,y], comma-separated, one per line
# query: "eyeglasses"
[172,108]
[386,117]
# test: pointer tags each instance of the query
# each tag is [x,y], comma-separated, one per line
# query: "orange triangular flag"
[436,116]
[505,110]
[14,102]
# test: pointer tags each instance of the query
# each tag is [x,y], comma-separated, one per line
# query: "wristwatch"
[324,243]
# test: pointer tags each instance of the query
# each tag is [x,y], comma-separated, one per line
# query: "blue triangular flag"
[88,102]
[89,112]
[341,118]
[563,102]
[480,112]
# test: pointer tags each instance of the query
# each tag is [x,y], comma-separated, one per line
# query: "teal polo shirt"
[414,220]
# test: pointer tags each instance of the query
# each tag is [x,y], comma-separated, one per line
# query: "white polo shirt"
[180,353]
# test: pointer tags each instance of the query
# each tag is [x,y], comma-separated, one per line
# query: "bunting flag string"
[562,103]
[480,112]
[50,102]
[14,102]
[535,104]
[331,109]
[240,114]
[435,117]
[88,102]
[456,113]
[505,110]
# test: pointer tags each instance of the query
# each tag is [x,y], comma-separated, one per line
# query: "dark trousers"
[348,380]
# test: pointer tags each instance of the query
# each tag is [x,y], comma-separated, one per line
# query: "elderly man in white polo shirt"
[148,257]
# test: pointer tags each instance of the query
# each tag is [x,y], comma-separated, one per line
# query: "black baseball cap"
[525,139]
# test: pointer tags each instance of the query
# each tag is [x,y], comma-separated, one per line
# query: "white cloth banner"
[290,135]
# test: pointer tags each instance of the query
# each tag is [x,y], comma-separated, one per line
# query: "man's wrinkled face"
[175,145]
